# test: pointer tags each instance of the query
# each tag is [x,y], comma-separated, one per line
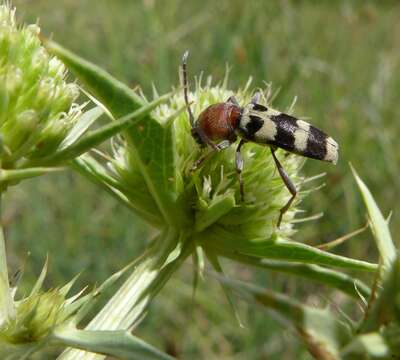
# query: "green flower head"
[36,103]
[209,197]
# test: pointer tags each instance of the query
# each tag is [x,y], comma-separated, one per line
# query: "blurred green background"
[340,58]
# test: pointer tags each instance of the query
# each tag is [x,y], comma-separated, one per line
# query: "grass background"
[342,60]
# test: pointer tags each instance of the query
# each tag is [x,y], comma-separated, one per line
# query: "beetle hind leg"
[288,183]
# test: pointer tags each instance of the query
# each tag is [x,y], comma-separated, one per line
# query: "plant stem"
[7,310]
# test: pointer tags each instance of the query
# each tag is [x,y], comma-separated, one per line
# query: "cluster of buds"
[36,317]
[37,107]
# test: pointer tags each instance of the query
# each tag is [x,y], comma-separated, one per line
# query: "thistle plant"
[199,213]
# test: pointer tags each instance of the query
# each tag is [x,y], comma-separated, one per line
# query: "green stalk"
[21,174]
[128,305]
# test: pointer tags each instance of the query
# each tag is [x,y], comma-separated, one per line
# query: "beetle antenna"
[186,86]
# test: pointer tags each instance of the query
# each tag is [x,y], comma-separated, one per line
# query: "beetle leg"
[186,88]
[289,184]
[239,168]
[216,148]
[233,100]
[223,145]
[203,137]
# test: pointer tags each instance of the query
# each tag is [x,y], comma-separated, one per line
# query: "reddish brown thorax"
[219,121]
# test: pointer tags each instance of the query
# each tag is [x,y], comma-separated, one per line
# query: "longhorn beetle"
[219,125]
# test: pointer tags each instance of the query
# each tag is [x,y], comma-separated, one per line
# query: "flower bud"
[16,131]
[56,68]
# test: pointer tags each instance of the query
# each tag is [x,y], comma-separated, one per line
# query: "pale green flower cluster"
[36,103]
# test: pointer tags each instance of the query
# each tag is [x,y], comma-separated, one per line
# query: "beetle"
[219,126]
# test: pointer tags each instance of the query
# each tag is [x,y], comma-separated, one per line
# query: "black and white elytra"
[220,124]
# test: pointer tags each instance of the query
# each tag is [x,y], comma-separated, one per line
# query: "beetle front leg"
[215,148]
[203,137]
[289,184]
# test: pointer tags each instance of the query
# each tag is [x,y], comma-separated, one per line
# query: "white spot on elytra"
[332,148]
[267,132]
[301,135]
[245,119]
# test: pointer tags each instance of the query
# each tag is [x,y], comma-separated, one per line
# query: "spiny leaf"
[97,136]
[379,225]
[328,277]
[153,147]
[85,121]
[39,282]
[217,267]
[225,242]
[115,95]
[120,344]
[151,143]
[97,292]
[385,309]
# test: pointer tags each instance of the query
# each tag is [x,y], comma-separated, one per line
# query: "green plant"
[196,214]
